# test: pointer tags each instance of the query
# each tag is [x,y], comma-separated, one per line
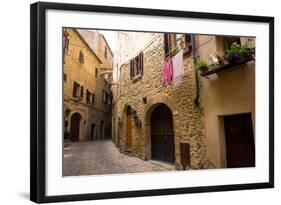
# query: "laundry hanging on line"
[167,73]
[178,69]
[173,70]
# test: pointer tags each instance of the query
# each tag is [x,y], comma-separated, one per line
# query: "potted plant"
[201,65]
[232,55]
[237,53]
[245,52]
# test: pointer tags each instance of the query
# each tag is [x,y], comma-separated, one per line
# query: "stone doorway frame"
[152,103]
[80,124]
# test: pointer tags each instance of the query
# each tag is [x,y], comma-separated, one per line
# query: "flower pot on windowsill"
[204,69]
[201,66]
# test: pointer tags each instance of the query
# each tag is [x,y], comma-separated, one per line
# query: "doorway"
[92,136]
[239,140]
[101,130]
[162,134]
[129,127]
[75,127]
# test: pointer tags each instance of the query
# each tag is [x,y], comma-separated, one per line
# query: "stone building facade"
[144,93]
[228,99]
[188,113]
[98,43]
[87,115]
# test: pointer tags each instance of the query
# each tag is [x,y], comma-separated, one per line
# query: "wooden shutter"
[141,62]
[167,44]
[81,92]
[66,43]
[87,96]
[137,65]
[93,98]
[74,89]
[132,68]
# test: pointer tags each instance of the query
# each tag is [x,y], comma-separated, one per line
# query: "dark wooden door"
[162,134]
[129,130]
[75,127]
[239,138]
[101,130]
[92,136]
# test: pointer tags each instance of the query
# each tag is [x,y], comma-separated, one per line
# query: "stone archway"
[152,103]
[162,134]
[75,122]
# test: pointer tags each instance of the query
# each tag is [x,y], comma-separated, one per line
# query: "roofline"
[80,36]
[107,44]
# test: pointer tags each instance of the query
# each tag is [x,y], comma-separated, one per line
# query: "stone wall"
[187,118]
[84,74]
[227,93]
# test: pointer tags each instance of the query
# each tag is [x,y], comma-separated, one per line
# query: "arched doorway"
[75,127]
[93,131]
[162,134]
[129,127]
[101,130]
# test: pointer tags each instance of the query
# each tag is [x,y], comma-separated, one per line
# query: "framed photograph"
[129,102]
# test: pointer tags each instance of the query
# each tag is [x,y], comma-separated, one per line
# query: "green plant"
[174,50]
[201,65]
[237,53]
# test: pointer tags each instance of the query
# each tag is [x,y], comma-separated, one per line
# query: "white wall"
[14,108]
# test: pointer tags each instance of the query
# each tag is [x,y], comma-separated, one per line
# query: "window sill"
[136,78]
[187,50]
[225,67]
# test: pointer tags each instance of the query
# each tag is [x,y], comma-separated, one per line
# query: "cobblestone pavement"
[102,157]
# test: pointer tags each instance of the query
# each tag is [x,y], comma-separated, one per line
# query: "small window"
[81,57]
[64,77]
[76,89]
[187,41]
[170,44]
[96,73]
[65,43]
[224,43]
[81,92]
[228,41]
[88,97]
[93,98]
[105,52]
[104,96]
[136,66]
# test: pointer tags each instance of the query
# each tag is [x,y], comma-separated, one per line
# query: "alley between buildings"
[102,157]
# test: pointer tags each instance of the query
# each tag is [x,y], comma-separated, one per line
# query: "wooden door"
[162,134]
[92,136]
[129,130]
[239,139]
[75,127]
[101,130]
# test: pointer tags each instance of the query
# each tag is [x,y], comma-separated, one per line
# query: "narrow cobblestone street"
[102,157]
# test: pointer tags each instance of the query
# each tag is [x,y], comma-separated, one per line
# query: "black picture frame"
[38,101]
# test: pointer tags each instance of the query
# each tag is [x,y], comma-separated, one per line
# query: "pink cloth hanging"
[167,73]
[178,69]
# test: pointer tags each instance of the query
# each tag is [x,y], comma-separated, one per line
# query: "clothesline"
[148,80]
[173,69]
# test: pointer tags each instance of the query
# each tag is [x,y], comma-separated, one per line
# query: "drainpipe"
[193,42]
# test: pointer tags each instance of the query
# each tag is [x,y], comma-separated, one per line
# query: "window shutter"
[67,43]
[141,63]
[64,43]
[167,44]
[81,92]
[132,69]
[74,90]
[93,98]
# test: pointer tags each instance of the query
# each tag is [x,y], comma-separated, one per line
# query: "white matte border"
[58,185]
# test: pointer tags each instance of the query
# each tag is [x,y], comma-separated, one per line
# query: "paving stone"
[102,157]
